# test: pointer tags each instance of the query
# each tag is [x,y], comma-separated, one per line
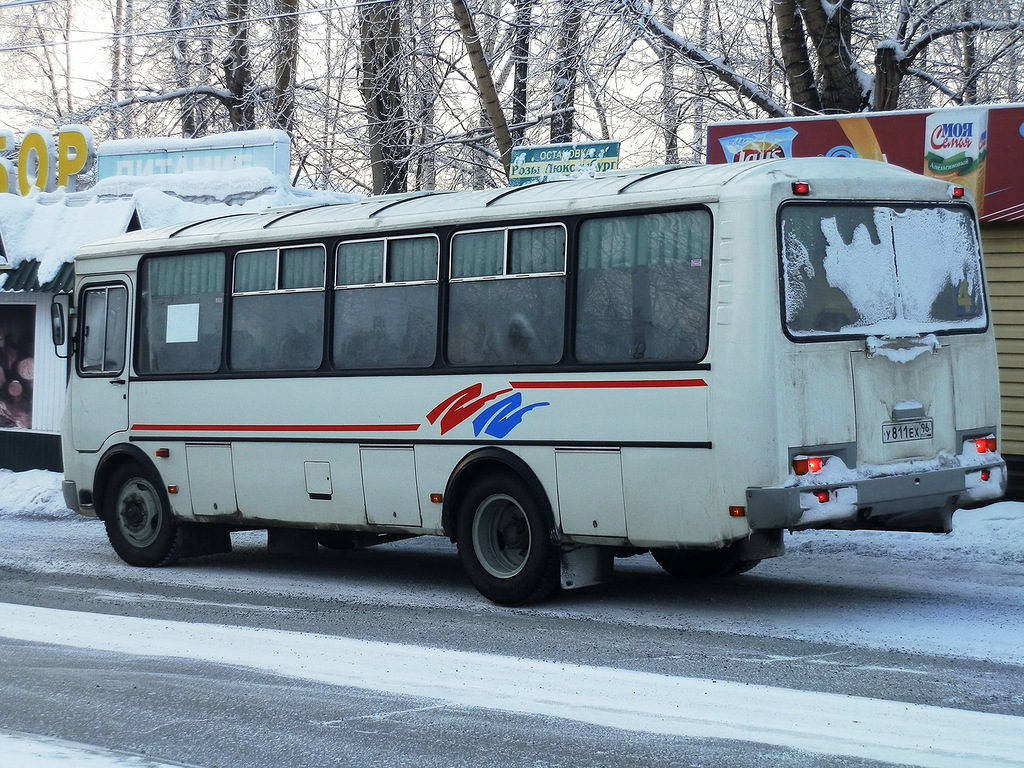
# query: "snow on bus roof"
[615,189]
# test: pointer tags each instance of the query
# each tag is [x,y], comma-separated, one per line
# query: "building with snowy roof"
[41,232]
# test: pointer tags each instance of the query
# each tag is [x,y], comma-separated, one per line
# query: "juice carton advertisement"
[956,148]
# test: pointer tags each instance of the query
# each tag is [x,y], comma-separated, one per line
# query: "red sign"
[981,148]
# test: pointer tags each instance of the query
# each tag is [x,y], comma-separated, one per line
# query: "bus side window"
[506,303]
[643,288]
[104,313]
[181,313]
[385,303]
[277,313]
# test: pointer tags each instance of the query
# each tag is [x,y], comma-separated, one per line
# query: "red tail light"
[822,496]
[985,445]
[808,465]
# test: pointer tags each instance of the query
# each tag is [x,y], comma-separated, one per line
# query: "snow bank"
[992,534]
[35,493]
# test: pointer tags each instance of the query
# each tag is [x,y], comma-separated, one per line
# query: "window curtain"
[412,259]
[256,271]
[184,275]
[303,267]
[534,250]
[360,263]
[478,254]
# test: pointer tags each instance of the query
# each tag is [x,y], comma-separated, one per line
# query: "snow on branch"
[937,84]
[716,66]
[973,25]
[222,95]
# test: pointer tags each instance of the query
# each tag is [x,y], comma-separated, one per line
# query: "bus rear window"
[882,270]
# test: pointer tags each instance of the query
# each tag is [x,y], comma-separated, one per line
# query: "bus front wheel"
[504,542]
[703,564]
[138,519]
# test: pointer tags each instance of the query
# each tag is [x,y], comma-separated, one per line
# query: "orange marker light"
[801,188]
[436,498]
[163,453]
[737,511]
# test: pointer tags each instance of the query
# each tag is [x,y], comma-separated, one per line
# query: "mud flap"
[585,566]
[200,539]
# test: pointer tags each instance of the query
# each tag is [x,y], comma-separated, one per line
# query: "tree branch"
[742,85]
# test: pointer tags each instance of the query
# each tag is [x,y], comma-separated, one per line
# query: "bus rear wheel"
[504,542]
[138,519]
[703,564]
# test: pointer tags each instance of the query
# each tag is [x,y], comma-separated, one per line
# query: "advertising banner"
[17,364]
[981,148]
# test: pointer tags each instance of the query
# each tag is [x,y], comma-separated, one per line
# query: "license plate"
[905,431]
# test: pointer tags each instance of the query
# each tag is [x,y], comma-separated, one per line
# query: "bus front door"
[99,394]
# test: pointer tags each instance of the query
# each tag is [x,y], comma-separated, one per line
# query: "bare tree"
[567,64]
[379,25]
[286,58]
[522,34]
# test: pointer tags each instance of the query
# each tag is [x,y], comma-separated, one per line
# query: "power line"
[171,30]
[15,3]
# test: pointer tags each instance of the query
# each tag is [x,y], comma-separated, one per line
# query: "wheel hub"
[512,536]
[133,515]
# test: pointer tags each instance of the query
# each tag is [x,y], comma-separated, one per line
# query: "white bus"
[684,360]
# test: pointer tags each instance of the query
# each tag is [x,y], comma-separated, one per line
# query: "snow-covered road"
[959,597]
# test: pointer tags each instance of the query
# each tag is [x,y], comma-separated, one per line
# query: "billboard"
[220,153]
[981,148]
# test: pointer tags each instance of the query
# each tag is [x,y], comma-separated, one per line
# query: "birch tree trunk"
[489,100]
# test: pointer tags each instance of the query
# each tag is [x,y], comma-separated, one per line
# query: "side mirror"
[58,325]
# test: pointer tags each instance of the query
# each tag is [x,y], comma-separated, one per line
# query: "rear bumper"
[911,501]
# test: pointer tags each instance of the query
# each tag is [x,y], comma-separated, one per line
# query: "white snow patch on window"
[798,270]
[864,271]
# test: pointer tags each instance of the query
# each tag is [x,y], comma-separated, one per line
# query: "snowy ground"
[986,549]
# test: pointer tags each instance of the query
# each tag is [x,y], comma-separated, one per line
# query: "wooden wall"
[1003,244]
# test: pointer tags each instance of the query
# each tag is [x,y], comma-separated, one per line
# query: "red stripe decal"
[655,384]
[275,427]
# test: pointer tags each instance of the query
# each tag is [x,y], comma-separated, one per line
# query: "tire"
[138,519]
[505,542]
[703,563]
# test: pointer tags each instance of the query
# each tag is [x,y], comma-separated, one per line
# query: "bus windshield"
[882,270]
